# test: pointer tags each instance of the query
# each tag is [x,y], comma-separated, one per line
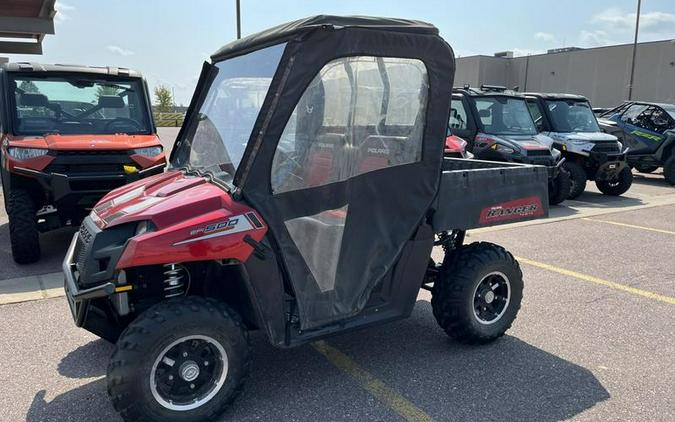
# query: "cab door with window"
[461,123]
[349,182]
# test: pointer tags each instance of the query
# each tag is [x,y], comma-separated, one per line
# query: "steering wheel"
[123,121]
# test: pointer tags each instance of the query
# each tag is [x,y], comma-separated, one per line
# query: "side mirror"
[484,113]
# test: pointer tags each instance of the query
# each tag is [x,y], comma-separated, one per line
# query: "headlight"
[620,145]
[149,151]
[144,227]
[504,149]
[26,153]
[555,153]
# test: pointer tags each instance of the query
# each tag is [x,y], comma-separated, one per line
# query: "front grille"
[97,251]
[542,160]
[85,168]
[84,238]
[538,152]
[85,163]
[89,153]
[606,147]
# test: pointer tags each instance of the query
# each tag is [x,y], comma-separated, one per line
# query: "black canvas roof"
[290,29]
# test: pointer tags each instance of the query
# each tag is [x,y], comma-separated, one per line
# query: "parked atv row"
[555,130]
[497,126]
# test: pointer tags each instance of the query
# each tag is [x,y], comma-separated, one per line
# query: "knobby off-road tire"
[669,169]
[577,178]
[23,232]
[618,186]
[559,188]
[646,168]
[459,294]
[150,374]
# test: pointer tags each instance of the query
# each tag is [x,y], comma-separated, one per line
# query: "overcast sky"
[168,40]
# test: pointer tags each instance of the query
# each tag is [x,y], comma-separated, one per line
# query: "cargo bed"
[475,193]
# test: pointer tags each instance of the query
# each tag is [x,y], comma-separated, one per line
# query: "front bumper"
[78,299]
[553,171]
[609,165]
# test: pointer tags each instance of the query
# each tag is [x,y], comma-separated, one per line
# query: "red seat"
[322,158]
[378,152]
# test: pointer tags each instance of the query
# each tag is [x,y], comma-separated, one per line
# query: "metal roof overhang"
[27,22]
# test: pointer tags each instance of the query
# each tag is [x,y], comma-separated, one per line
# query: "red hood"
[86,142]
[166,199]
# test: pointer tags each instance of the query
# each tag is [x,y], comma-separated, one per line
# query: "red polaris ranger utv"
[307,191]
[70,134]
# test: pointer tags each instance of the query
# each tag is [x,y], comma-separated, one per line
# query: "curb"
[34,287]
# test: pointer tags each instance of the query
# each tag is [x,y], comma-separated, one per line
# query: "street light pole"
[238,20]
[632,69]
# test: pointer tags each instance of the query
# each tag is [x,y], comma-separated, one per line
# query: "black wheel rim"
[491,298]
[188,373]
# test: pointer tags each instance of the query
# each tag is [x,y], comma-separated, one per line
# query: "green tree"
[29,86]
[163,99]
[106,90]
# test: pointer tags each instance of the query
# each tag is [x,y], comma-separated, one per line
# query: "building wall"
[601,74]
[467,71]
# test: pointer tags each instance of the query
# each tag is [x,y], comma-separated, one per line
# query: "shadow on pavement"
[87,361]
[507,380]
[53,245]
[655,179]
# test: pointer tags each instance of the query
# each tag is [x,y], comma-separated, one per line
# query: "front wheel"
[669,169]
[23,230]
[577,178]
[181,360]
[559,188]
[477,296]
[617,186]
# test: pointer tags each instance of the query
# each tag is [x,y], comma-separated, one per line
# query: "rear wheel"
[477,296]
[559,188]
[23,231]
[646,168]
[181,360]
[577,178]
[669,169]
[617,186]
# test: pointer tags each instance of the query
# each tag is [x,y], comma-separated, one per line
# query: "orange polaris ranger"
[69,135]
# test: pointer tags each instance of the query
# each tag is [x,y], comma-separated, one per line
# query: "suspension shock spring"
[175,276]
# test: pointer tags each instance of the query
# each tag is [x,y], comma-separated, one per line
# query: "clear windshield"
[572,116]
[216,138]
[79,104]
[500,115]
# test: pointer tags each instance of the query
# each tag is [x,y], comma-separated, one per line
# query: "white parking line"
[632,226]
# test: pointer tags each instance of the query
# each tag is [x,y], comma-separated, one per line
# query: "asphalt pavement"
[594,339]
